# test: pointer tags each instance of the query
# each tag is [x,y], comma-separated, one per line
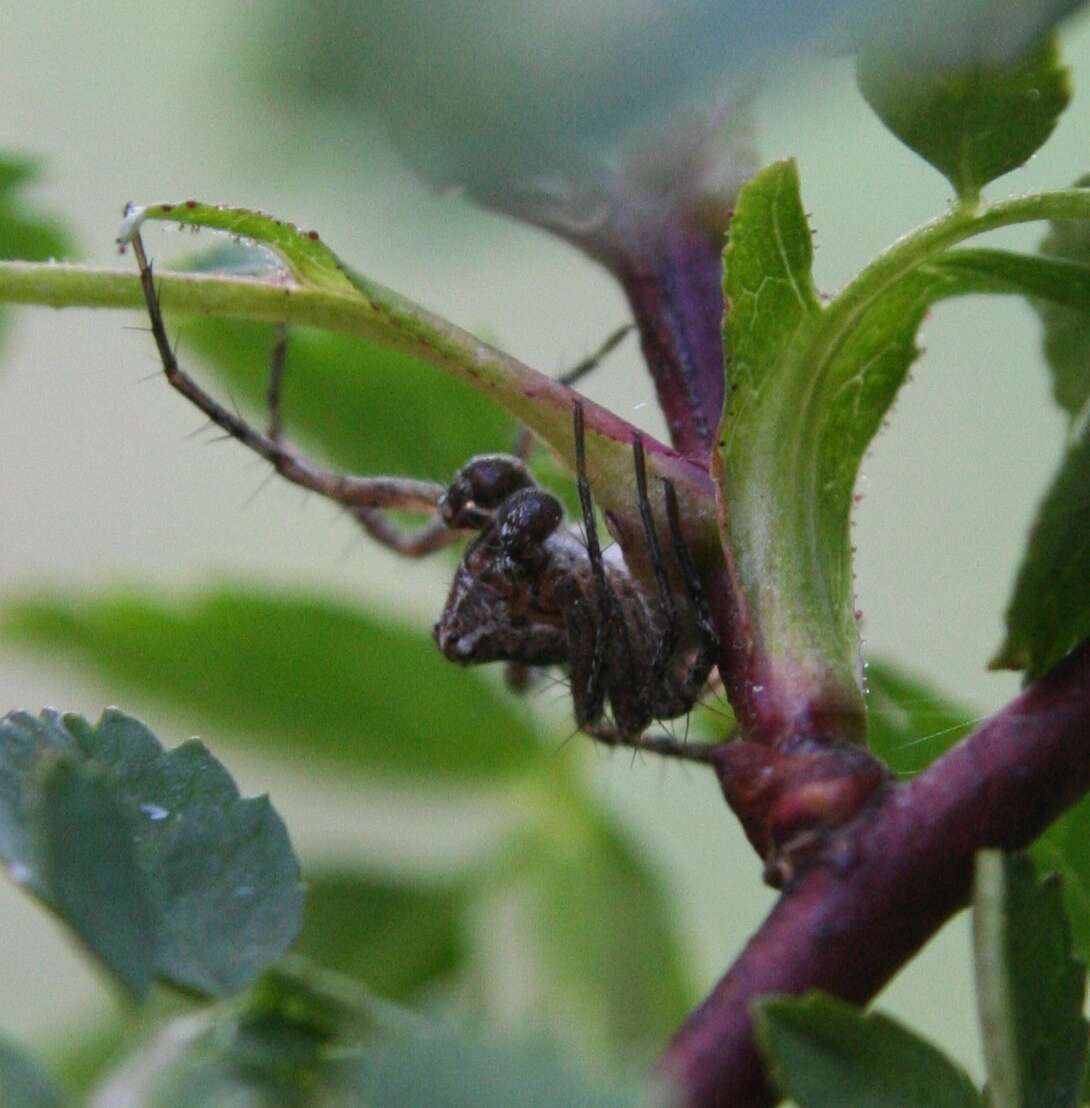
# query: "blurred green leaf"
[303,1037]
[25,234]
[909,722]
[274,1047]
[1065,848]
[824,1053]
[81,1053]
[1049,612]
[605,935]
[973,125]
[366,408]
[456,1071]
[1067,330]
[1030,990]
[396,938]
[150,856]
[299,674]
[24,1083]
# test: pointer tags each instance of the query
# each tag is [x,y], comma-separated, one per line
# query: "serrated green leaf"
[800,413]
[1049,611]
[809,388]
[300,674]
[909,722]
[1065,849]
[151,857]
[605,937]
[972,125]
[1030,991]
[824,1053]
[89,873]
[1066,328]
[24,1083]
[396,938]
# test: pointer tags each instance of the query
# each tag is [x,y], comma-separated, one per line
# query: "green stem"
[960,223]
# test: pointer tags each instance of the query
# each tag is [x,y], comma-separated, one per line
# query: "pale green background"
[100,482]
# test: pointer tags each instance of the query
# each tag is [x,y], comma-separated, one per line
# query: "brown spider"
[527,591]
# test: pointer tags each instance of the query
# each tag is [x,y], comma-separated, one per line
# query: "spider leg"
[588,691]
[359,495]
[663,745]
[668,642]
[524,440]
[708,653]
[277,362]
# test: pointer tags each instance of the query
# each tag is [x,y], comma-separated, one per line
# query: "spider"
[527,591]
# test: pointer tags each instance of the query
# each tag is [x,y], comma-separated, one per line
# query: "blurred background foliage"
[463,849]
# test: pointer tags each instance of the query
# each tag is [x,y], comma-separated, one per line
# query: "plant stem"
[886,882]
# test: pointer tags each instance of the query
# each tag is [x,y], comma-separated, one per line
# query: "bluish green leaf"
[1030,990]
[458,1071]
[151,857]
[1049,612]
[909,722]
[24,1083]
[294,673]
[1067,327]
[395,937]
[1065,849]
[973,125]
[605,936]
[89,874]
[824,1053]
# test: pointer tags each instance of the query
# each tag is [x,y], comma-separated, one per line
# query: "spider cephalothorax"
[529,591]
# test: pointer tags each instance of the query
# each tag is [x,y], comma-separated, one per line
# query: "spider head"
[502,604]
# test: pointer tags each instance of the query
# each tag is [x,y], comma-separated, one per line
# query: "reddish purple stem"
[887,881]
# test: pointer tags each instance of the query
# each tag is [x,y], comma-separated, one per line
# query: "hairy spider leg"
[588,685]
[708,654]
[668,643]
[361,496]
